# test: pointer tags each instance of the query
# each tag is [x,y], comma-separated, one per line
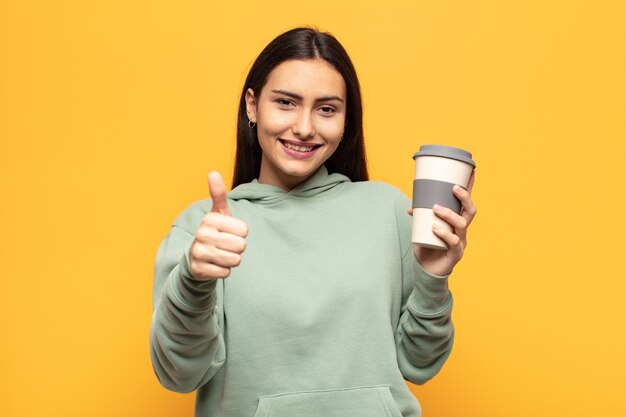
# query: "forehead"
[315,76]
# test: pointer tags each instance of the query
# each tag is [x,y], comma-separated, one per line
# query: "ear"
[251,105]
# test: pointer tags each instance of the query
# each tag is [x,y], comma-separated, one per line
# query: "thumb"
[217,189]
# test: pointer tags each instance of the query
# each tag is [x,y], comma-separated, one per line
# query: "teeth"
[298,147]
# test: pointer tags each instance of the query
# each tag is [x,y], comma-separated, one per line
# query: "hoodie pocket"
[374,401]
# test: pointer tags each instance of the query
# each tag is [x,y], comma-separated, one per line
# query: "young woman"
[328,307]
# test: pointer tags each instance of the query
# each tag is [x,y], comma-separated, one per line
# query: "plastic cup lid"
[445,152]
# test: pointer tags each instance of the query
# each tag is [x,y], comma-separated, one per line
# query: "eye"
[327,109]
[283,102]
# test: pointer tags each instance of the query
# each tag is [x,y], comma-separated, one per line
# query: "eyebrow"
[296,96]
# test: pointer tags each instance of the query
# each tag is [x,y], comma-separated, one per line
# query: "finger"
[225,224]
[211,236]
[231,243]
[217,189]
[457,221]
[453,241]
[469,209]
[410,211]
[212,255]
[224,258]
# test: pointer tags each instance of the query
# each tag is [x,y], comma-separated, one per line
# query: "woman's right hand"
[220,240]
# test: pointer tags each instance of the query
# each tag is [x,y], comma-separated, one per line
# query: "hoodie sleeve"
[186,342]
[425,332]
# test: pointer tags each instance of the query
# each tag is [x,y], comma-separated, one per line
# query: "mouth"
[299,149]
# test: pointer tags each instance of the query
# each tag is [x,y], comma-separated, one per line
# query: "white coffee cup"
[437,169]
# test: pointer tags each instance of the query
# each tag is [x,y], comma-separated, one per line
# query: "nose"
[303,125]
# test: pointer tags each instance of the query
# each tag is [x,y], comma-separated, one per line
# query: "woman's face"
[300,115]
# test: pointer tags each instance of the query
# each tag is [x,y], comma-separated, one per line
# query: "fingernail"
[437,207]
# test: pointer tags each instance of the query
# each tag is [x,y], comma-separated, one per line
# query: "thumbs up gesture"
[220,240]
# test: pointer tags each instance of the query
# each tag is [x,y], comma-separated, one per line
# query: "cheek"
[274,122]
[331,129]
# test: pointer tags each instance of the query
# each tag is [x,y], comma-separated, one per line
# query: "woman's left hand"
[441,262]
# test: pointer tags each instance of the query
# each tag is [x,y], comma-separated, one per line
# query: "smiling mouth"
[298,147]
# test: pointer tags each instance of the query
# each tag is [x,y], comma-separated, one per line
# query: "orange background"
[113,112]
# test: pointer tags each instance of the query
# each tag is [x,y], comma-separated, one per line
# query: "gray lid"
[445,152]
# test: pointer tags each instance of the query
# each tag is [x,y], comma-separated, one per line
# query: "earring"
[251,124]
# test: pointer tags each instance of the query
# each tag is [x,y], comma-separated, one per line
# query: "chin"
[300,171]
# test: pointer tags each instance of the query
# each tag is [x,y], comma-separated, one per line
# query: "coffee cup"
[437,169]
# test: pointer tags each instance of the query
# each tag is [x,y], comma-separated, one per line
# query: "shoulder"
[378,190]
[379,199]
[189,219]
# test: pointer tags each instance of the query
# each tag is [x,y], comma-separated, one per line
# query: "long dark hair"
[303,43]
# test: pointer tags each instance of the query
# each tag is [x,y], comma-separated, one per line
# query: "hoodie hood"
[318,183]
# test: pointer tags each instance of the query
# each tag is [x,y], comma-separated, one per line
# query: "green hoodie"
[326,315]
